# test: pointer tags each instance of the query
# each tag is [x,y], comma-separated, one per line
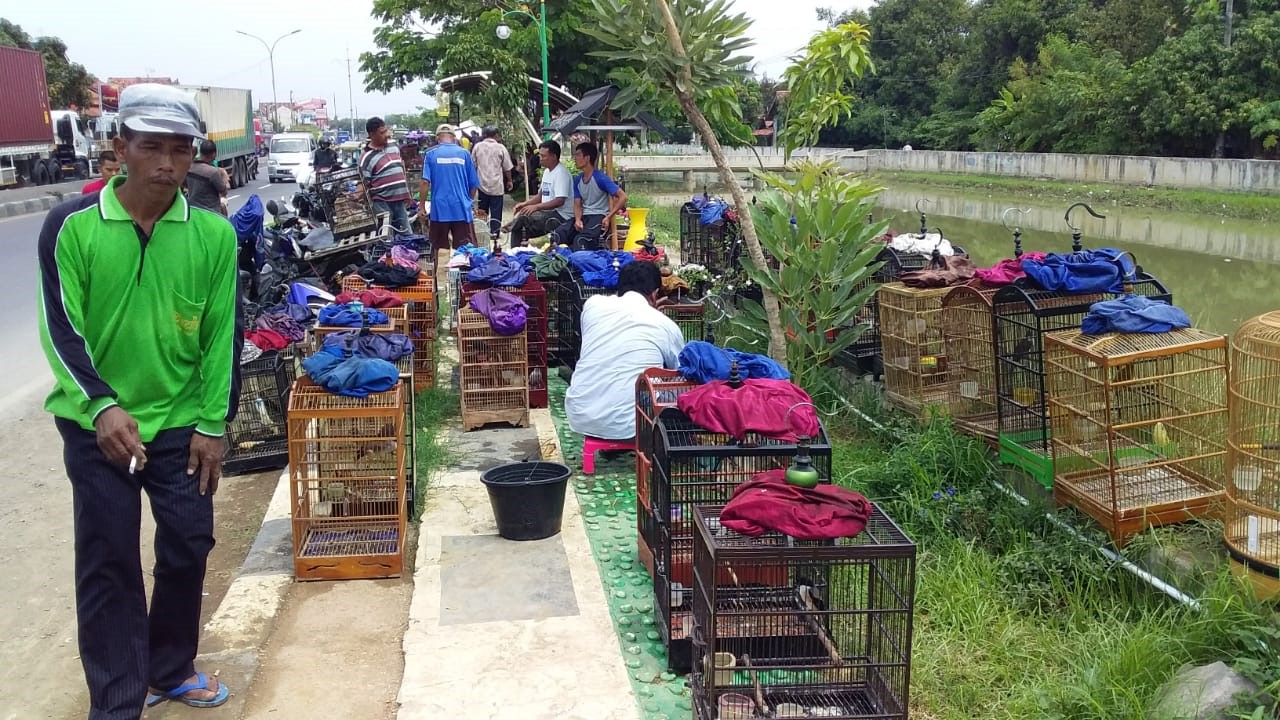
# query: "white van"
[288,155]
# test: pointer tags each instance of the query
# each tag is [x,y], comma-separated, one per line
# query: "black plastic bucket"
[527,498]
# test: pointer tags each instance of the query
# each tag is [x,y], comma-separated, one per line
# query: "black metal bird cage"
[572,294]
[787,628]
[1022,317]
[257,438]
[693,466]
[716,246]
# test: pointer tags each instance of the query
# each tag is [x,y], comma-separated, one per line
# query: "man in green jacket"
[137,318]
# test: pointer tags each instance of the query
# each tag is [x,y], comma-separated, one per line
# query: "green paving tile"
[608,501]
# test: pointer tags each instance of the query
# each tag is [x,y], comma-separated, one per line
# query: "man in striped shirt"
[383,172]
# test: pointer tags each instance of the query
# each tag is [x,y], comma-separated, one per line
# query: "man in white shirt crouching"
[622,335]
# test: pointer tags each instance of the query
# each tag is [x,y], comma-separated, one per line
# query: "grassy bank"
[664,219]
[434,407]
[1247,206]
[1015,617]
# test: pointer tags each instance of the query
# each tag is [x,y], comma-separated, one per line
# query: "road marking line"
[264,187]
[232,197]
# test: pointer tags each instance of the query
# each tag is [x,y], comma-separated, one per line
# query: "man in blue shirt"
[596,200]
[449,175]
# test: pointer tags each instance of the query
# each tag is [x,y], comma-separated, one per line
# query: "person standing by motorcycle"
[383,172]
[325,156]
[207,184]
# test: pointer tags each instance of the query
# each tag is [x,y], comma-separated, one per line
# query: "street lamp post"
[271,58]
[504,32]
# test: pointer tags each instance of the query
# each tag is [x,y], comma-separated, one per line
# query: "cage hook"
[1076,245]
[924,220]
[1016,230]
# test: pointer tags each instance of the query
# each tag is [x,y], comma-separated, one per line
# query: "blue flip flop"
[177,694]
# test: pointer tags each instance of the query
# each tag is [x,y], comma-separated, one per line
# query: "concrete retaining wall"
[1233,175]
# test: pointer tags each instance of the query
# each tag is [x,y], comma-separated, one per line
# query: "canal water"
[1220,270]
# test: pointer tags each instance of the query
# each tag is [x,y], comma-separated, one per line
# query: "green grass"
[1248,206]
[1015,617]
[434,408]
[663,222]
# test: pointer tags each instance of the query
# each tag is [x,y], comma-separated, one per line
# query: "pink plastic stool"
[590,446]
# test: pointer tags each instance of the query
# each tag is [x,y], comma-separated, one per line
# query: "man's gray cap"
[155,108]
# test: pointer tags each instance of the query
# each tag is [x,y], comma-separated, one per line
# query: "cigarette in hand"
[133,464]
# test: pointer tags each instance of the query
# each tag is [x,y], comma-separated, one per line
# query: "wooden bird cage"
[346,469]
[690,318]
[494,373]
[1138,425]
[420,321]
[971,359]
[865,352]
[396,323]
[345,199]
[1253,445]
[1022,317]
[831,632]
[534,294]
[914,352]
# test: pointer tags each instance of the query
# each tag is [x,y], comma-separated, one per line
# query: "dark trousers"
[122,647]
[535,224]
[492,204]
[588,238]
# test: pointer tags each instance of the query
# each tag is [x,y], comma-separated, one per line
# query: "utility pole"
[351,101]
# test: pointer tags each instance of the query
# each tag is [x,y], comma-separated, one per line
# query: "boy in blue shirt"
[596,200]
[449,175]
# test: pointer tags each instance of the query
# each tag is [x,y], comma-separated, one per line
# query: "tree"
[820,83]
[69,83]
[686,48]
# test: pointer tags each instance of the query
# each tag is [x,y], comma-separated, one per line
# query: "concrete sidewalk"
[485,628]
[507,630]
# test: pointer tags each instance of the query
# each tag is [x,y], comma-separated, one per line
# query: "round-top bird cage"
[1253,445]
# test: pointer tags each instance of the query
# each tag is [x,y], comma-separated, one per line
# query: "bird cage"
[397,322]
[346,469]
[971,359]
[832,638]
[715,246]
[257,438]
[866,351]
[345,200]
[420,321]
[574,294]
[1253,445]
[1138,424]
[693,466]
[656,389]
[563,338]
[915,354]
[494,373]
[534,294]
[690,318]
[1022,316]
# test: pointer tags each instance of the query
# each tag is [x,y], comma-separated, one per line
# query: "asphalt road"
[40,675]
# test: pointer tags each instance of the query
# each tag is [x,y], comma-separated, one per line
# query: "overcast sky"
[126,38]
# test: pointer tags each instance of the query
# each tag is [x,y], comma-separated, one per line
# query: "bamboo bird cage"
[420,322]
[1138,424]
[1253,445]
[971,359]
[346,469]
[914,351]
[494,372]
[1022,316]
